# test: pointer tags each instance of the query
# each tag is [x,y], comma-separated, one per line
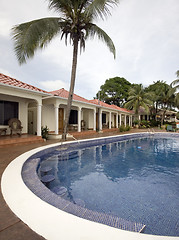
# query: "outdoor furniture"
[170,128]
[73,127]
[3,130]
[83,124]
[15,126]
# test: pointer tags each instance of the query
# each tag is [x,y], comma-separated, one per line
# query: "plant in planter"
[45,131]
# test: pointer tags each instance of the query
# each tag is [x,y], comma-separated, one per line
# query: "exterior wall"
[88,117]
[48,117]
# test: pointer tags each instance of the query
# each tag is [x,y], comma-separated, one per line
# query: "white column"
[120,121]
[125,120]
[100,119]
[56,119]
[79,119]
[117,121]
[39,119]
[94,120]
[109,120]
[129,120]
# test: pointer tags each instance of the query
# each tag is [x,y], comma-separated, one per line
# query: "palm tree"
[138,98]
[175,83]
[167,99]
[75,23]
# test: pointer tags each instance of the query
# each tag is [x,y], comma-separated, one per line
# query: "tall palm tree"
[75,22]
[138,98]
[167,99]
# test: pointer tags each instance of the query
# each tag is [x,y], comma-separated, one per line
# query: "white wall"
[48,116]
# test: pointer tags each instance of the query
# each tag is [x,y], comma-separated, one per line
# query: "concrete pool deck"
[13,228]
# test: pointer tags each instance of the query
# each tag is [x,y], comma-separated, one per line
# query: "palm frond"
[94,30]
[175,82]
[30,36]
[100,8]
[61,6]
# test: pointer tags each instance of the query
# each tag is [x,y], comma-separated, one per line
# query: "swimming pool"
[48,213]
[136,180]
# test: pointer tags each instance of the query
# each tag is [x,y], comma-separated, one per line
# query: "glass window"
[8,110]
[103,118]
[73,117]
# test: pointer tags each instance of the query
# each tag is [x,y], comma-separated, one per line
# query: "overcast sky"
[145,34]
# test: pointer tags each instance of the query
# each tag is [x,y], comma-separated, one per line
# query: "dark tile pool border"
[32,181]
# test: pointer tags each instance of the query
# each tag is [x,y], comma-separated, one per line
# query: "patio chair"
[15,126]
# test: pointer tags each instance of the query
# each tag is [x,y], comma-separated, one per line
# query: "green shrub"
[144,124]
[154,123]
[122,128]
[127,128]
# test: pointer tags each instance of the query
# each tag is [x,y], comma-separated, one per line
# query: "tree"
[114,91]
[156,89]
[167,99]
[138,98]
[175,83]
[75,23]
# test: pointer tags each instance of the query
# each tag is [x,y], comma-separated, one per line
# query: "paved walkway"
[11,227]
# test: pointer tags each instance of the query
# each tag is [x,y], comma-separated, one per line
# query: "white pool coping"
[53,223]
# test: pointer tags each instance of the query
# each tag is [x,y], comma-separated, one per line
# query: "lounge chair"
[170,128]
[15,126]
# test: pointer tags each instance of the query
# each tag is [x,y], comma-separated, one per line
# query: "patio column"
[120,121]
[94,120]
[117,121]
[131,120]
[79,119]
[56,119]
[125,120]
[39,119]
[109,120]
[100,119]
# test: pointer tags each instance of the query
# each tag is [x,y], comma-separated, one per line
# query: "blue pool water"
[137,180]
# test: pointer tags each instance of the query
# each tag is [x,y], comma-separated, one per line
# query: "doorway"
[60,119]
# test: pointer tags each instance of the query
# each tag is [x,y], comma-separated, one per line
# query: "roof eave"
[26,90]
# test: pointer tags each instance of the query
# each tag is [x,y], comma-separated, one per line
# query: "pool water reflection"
[137,180]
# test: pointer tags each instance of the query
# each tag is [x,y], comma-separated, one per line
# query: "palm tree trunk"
[72,85]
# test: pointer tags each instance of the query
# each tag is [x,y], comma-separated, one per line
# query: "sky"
[145,34]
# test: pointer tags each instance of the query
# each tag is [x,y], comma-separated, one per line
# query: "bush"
[154,123]
[136,122]
[145,124]
[122,128]
[127,128]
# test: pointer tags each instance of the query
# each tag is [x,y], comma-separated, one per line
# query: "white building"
[35,108]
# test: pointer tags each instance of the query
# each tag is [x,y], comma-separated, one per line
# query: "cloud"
[51,85]
[144,32]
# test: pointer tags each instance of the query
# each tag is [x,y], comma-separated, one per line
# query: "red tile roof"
[64,94]
[16,83]
[100,103]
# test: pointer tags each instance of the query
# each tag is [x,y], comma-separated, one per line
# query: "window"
[8,110]
[73,117]
[103,118]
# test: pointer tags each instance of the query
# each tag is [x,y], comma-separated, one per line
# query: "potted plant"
[45,131]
